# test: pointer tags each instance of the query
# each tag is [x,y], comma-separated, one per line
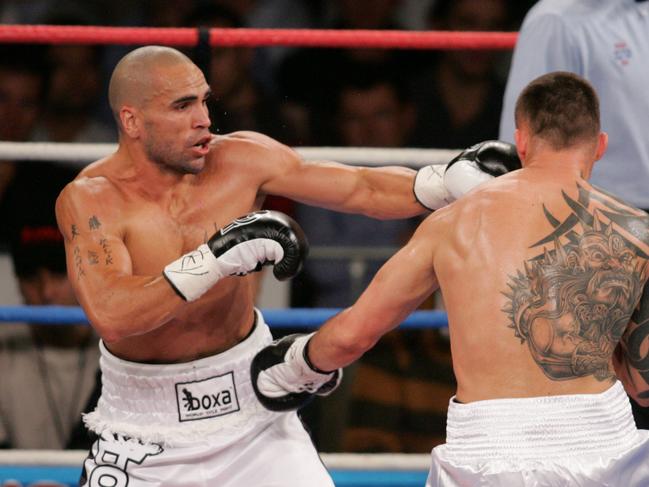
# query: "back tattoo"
[573,301]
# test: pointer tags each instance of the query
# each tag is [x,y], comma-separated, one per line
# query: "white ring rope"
[367,156]
[376,461]
[333,461]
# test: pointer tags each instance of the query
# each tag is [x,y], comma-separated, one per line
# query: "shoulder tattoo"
[572,302]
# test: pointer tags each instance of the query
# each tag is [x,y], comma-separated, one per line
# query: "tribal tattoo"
[634,343]
[572,303]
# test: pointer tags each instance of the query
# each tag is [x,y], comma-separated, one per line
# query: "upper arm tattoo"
[78,262]
[572,302]
[93,256]
[94,223]
[108,253]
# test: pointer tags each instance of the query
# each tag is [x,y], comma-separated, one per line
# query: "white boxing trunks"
[571,440]
[195,424]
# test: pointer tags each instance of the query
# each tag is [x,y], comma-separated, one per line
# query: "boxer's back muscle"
[540,278]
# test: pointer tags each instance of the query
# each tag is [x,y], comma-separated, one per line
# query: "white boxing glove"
[429,187]
[438,185]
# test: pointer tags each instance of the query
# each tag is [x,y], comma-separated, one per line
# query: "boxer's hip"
[584,439]
[541,427]
[178,403]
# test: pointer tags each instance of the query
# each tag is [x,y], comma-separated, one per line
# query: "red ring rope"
[383,39]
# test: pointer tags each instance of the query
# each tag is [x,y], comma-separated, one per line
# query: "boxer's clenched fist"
[438,185]
[283,377]
[244,246]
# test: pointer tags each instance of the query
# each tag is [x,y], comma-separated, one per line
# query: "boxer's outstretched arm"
[385,192]
[117,303]
[631,358]
[401,285]
[382,192]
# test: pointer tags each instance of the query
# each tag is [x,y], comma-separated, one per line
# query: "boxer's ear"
[129,121]
[602,145]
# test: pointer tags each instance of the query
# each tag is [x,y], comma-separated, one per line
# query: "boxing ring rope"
[278,318]
[340,461]
[186,36]
[348,470]
[369,156]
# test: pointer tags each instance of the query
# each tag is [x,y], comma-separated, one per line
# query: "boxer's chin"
[194,166]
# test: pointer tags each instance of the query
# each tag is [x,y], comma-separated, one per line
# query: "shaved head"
[136,76]
[159,99]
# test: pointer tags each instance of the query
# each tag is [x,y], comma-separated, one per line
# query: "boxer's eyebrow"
[191,98]
[184,99]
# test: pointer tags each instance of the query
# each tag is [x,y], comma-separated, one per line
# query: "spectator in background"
[400,394]
[241,8]
[238,101]
[309,79]
[371,109]
[165,13]
[460,97]
[23,84]
[49,371]
[21,12]
[397,396]
[608,44]
[74,94]
[279,14]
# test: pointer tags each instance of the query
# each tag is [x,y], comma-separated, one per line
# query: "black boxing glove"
[283,378]
[480,163]
[244,246]
[438,185]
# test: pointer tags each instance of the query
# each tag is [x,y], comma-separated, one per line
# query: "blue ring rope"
[69,476]
[277,318]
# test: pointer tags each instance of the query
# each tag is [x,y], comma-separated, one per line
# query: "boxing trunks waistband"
[548,427]
[184,402]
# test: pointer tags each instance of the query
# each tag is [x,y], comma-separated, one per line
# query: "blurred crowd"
[395,399]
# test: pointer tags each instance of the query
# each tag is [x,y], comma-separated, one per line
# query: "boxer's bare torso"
[122,224]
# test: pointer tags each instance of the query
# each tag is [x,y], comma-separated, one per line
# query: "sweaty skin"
[542,276]
[170,185]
